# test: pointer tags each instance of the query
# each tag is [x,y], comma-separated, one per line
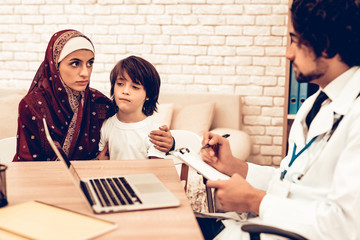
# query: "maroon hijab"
[49,98]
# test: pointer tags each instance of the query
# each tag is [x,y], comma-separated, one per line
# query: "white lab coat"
[325,203]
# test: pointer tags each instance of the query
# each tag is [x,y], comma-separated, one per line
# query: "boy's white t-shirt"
[128,141]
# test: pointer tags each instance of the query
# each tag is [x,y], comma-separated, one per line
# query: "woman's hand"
[162,139]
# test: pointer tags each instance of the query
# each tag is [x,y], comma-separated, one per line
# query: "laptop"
[117,193]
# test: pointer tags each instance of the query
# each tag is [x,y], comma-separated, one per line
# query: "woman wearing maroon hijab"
[74,112]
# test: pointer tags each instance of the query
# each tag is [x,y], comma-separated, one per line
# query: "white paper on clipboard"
[193,160]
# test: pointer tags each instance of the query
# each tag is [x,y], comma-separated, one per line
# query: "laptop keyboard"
[114,192]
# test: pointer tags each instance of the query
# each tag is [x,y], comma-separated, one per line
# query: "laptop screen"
[55,145]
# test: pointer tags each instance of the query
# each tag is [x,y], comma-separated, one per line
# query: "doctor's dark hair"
[141,72]
[329,27]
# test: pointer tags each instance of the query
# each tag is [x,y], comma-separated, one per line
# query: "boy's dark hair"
[141,72]
[329,26]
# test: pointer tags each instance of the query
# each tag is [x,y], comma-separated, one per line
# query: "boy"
[135,87]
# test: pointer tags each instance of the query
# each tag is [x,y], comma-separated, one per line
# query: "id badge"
[279,187]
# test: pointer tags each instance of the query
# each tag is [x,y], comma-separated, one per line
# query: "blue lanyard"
[295,156]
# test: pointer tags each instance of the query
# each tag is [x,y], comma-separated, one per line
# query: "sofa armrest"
[240,143]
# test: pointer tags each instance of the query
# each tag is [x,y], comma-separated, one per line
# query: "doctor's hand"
[236,194]
[162,139]
[218,154]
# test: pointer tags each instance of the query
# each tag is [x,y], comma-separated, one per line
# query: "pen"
[224,136]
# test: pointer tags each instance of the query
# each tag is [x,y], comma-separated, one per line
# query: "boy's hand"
[103,155]
[162,139]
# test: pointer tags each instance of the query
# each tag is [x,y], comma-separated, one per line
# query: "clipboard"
[193,160]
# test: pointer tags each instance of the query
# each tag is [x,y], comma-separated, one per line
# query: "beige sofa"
[9,102]
[201,112]
[219,113]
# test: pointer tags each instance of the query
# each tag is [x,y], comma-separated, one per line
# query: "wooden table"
[50,182]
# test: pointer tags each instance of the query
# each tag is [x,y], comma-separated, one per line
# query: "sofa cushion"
[9,112]
[196,118]
[164,114]
[228,110]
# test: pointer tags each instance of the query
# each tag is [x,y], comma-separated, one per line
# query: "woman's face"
[75,69]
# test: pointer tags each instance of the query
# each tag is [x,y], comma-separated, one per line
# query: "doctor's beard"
[321,69]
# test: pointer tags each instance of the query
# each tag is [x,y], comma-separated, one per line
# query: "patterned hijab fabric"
[74,118]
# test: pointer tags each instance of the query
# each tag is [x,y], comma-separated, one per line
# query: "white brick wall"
[227,46]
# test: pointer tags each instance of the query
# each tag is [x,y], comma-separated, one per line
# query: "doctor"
[316,190]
